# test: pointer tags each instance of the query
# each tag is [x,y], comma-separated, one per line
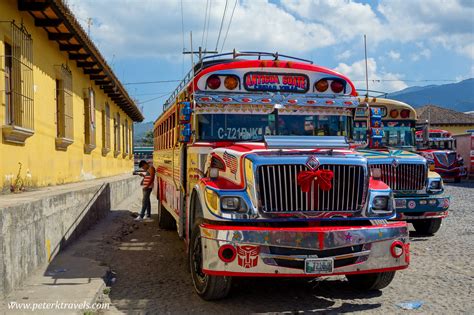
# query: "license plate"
[400,203]
[318,265]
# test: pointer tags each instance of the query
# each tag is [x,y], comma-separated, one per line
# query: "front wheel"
[207,287]
[427,226]
[371,281]
[457,179]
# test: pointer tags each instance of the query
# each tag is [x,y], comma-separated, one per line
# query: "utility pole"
[200,52]
[366,67]
[89,24]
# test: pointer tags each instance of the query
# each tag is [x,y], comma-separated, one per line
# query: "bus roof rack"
[234,54]
[259,54]
[371,93]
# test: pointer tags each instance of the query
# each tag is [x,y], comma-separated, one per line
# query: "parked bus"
[439,148]
[142,153]
[256,173]
[417,188]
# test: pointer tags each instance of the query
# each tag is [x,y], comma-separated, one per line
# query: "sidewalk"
[71,279]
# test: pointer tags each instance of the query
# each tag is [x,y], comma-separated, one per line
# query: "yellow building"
[456,123]
[64,115]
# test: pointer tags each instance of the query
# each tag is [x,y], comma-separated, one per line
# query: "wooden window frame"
[64,108]
[19,85]
[89,121]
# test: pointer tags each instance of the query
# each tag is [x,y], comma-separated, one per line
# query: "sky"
[409,43]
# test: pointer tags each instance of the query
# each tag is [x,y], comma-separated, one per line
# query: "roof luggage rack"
[207,61]
[371,93]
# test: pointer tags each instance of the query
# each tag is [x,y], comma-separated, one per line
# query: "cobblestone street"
[151,273]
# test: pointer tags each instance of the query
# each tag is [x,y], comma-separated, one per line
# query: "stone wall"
[33,230]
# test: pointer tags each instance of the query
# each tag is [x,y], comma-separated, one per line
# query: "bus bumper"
[414,208]
[287,252]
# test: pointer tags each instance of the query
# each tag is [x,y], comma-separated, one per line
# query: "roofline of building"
[92,61]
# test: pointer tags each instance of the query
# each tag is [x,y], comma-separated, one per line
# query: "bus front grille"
[279,191]
[403,177]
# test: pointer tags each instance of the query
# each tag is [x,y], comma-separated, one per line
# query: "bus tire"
[165,219]
[427,226]
[457,179]
[207,287]
[371,281]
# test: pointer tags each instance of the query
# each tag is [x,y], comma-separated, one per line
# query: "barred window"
[89,120]
[64,108]
[18,74]
[106,129]
[117,134]
[127,137]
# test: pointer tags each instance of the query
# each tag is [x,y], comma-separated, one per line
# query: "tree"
[147,140]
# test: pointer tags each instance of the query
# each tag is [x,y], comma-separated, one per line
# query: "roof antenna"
[366,69]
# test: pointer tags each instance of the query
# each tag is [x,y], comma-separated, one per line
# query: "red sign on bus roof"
[278,82]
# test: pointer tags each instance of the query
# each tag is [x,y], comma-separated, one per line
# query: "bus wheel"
[371,281]
[457,179]
[207,287]
[165,219]
[427,226]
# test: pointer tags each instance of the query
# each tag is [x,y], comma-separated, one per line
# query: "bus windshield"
[400,135]
[442,144]
[238,127]
[396,133]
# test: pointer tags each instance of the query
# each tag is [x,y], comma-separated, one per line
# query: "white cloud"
[448,23]
[422,53]
[378,80]
[130,30]
[346,54]
[394,55]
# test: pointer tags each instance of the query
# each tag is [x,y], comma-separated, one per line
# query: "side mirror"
[376,128]
[185,111]
[185,133]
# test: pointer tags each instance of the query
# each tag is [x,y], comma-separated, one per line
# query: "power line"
[151,82]
[148,94]
[152,99]
[182,32]
[208,23]
[400,80]
[228,26]
[205,22]
[222,23]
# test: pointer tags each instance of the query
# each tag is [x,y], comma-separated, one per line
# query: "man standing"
[147,185]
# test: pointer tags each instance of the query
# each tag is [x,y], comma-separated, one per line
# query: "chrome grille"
[442,158]
[280,192]
[403,176]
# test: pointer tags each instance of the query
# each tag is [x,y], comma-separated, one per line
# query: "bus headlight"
[212,200]
[380,203]
[230,203]
[435,185]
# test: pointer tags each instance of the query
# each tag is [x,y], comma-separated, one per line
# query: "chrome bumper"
[266,251]
[414,208]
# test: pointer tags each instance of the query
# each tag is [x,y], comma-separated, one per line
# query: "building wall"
[463,147]
[42,163]
[454,129]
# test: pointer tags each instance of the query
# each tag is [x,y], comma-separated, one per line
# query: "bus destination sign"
[277,82]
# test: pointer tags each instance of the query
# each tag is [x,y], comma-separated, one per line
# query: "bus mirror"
[185,133]
[376,128]
[185,112]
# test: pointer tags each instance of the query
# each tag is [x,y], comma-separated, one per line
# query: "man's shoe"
[139,218]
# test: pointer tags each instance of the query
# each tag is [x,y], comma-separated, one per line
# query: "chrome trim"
[348,198]
[409,174]
[306,142]
[303,257]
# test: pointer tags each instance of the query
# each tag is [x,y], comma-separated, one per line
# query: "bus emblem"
[394,163]
[248,256]
[312,162]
